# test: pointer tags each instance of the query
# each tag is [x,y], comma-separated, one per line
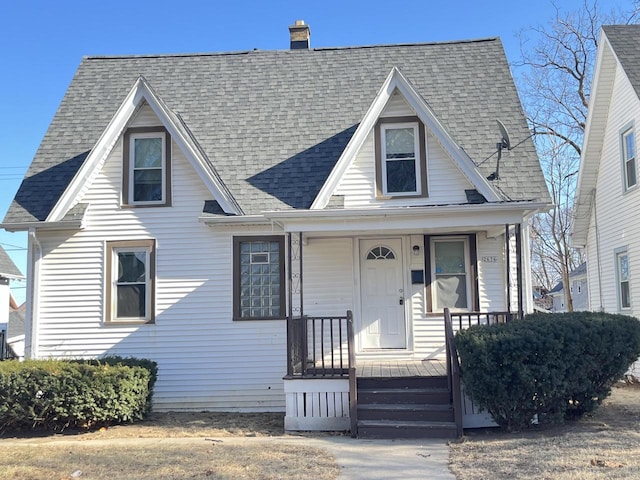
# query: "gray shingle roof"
[274,123]
[7,267]
[625,40]
[16,322]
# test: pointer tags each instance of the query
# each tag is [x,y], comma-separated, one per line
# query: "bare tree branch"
[555,84]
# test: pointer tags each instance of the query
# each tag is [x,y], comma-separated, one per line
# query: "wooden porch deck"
[400,368]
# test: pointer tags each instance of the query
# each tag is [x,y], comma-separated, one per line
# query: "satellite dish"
[506,140]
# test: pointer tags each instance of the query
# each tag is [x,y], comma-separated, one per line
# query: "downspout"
[34,255]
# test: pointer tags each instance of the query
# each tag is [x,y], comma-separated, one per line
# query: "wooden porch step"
[400,429]
[406,412]
[432,396]
[402,382]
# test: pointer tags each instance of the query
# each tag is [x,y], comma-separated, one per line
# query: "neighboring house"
[578,289]
[606,222]
[557,297]
[8,272]
[190,208]
[15,330]
[541,299]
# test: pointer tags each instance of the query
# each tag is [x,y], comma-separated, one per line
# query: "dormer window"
[400,158]
[147,166]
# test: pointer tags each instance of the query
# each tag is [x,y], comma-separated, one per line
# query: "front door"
[382,294]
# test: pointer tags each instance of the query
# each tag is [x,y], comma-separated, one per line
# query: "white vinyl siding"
[491,274]
[328,276]
[623,228]
[358,185]
[445,182]
[206,361]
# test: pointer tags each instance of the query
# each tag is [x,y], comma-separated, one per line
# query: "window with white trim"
[258,283]
[629,159]
[622,277]
[130,281]
[450,267]
[147,165]
[400,158]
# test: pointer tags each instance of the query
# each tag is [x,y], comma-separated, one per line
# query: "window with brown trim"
[146,173]
[451,273]
[130,281]
[401,167]
[258,278]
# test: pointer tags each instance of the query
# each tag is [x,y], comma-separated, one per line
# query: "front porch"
[329,388]
[388,367]
[399,368]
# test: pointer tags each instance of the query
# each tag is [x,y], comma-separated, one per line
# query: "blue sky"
[42,43]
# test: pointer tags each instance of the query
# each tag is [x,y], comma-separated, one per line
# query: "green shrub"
[57,394]
[555,366]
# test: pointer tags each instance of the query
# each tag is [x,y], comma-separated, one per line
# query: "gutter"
[236,220]
[436,210]
[28,226]
[34,256]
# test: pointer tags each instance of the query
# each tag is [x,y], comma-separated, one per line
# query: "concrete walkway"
[386,459]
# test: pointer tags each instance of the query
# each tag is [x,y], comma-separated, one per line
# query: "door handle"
[401,301]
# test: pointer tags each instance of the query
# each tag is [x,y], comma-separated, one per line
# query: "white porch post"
[34,255]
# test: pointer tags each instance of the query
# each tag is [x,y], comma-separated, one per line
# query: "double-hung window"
[400,158]
[629,159]
[130,281]
[147,165]
[451,266]
[258,283]
[622,277]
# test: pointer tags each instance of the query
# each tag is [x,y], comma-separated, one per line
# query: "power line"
[12,247]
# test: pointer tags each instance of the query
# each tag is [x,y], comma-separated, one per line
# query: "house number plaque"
[489,259]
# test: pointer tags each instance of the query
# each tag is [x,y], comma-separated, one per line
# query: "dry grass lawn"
[604,445]
[168,446]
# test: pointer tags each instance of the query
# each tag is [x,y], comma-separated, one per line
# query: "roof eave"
[46,225]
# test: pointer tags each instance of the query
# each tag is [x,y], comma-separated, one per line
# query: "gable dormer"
[402,155]
[400,152]
[146,158]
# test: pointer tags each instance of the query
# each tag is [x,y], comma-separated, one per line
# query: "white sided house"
[606,223]
[306,214]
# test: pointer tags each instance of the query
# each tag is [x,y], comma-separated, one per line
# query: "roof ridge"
[285,51]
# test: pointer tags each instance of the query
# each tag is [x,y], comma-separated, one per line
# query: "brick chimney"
[300,34]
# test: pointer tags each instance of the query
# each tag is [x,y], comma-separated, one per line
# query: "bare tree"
[556,70]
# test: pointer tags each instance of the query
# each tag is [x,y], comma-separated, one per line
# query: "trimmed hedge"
[57,394]
[555,366]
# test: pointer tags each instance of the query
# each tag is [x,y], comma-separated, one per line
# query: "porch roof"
[457,217]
